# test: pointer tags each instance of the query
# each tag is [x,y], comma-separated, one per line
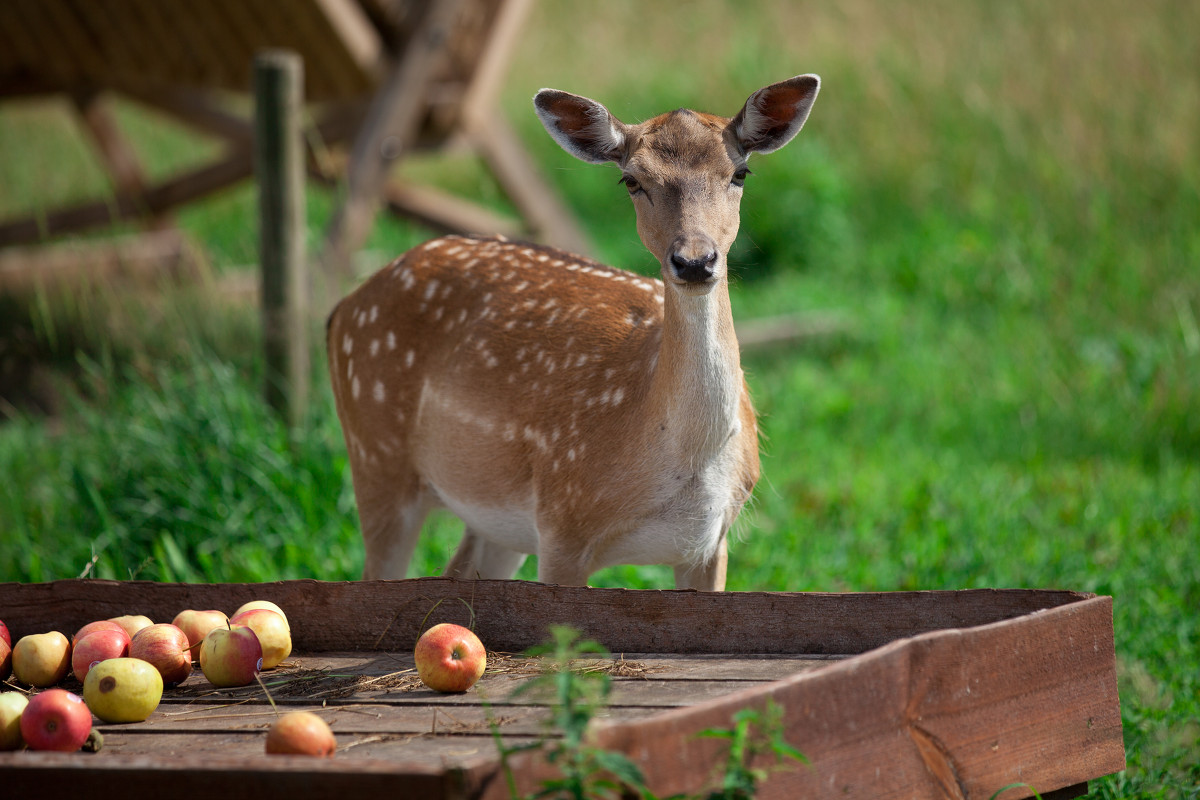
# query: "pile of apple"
[124,663]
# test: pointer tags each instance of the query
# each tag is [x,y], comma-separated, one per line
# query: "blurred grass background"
[1000,198]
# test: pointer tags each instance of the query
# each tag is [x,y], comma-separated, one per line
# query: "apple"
[41,659]
[166,647]
[450,658]
[197,624]
[231,656]
[99,645]
[300,733]
[5,660]
[267,604]
[273,633]
[4,634]
[11,706]
[98,625]
[123,689]
[132,623]
[56,720]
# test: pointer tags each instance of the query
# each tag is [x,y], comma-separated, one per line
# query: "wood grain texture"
[515,615]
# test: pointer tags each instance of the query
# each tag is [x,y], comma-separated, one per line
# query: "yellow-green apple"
[123,689]
[197,624]
[231,656]
[98,625]
[273,633]
[450,658]
[300,733]
[41,659]
[5,660]
[99,645]
[56,720]
[132,623]
[267,604]
[11,706]
[165,647]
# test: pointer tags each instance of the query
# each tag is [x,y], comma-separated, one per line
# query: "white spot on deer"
[409,357]
[618,395]
[391,340]
[435,244]
[437,313]
[579,362]
[374,347]
[520,287]
[377,392]
[374,313]
[347,344]
[508,326]
[462,315]
[349,367]
[571,454]
[431,289]
[355,388]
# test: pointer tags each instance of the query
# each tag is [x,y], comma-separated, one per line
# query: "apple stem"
[470,610]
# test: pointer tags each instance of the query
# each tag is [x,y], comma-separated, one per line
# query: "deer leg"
[477,557]
[390,530]
[708,576]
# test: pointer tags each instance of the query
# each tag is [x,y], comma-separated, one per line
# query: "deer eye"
[739,176]
[631,184]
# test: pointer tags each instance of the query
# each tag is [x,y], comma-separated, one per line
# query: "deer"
[556,405]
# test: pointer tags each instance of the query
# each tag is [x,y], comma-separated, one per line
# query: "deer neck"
[698,382]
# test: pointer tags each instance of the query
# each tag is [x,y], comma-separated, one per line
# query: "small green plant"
[1015,786]
[755,733]
[587,772]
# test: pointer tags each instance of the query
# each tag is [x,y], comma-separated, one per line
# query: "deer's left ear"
[774,115]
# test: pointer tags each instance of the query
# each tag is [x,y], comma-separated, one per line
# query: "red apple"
[231,656]
[41,659]
[197,624]
[99,645]
[166,647]
[300,733]
[132,623]
[56,720]
[5,660]
[98,625]
[12,704]
[450,658]
[4,634]
[272,631]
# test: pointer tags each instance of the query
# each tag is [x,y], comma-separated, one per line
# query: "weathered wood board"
[889,695]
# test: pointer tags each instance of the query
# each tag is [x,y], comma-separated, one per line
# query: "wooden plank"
[279,169]
[446,213]
[394,116]
[519,176]
[146,258]
[514,615]
[955,714]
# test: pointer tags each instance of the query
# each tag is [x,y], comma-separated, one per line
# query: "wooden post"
[279,168]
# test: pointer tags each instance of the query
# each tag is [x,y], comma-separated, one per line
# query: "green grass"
[1001,199]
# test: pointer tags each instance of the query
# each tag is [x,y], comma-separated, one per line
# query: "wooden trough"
[888,695]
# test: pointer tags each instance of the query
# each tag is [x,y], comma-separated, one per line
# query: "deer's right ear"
[582,127]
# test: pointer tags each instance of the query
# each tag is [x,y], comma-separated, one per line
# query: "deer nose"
[694,261]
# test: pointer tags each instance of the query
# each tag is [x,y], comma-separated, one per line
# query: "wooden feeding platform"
[888,695]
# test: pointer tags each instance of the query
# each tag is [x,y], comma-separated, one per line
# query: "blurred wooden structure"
[383,78]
